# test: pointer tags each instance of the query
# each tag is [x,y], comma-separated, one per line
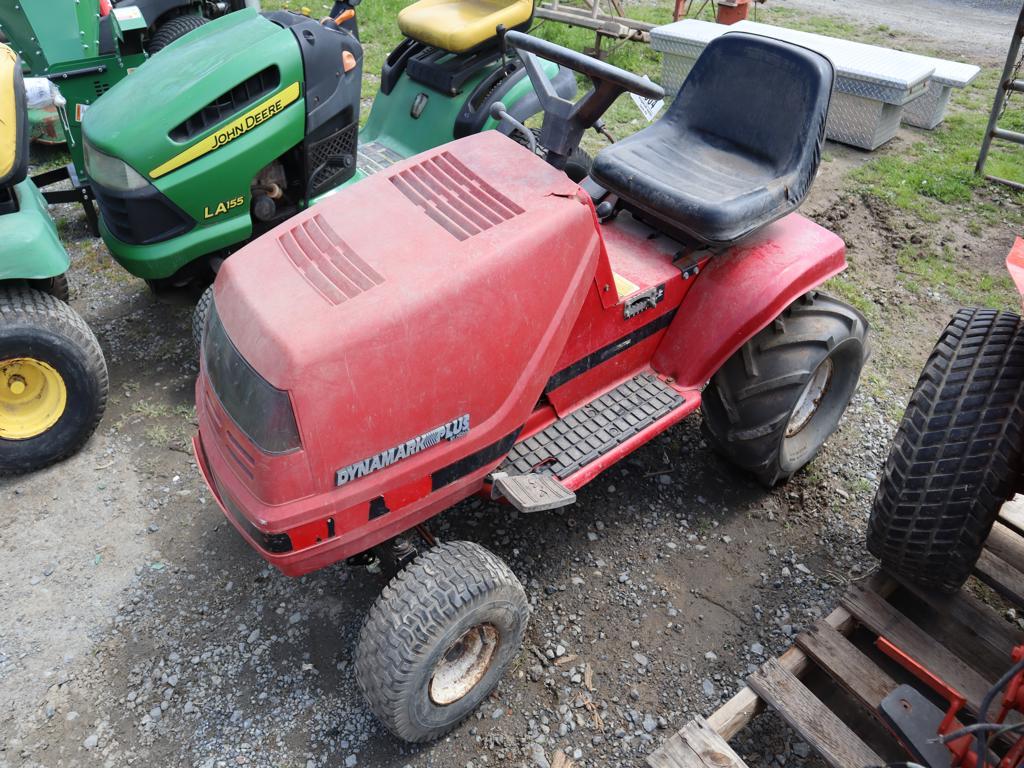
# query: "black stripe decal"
[467,465]
[606,353]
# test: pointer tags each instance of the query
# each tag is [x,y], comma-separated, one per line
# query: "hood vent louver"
[453,196]
[245,94]
[327,262]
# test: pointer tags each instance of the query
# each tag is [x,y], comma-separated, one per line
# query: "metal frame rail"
[1009,83]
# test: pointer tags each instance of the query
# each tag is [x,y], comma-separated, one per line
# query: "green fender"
[29,246]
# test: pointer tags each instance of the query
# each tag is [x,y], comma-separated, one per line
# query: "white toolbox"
[876,87]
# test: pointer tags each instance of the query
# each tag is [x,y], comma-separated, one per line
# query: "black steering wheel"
[566,121]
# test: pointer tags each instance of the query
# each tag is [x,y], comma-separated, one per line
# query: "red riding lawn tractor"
[473,322]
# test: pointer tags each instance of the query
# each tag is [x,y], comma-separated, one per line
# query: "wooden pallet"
[963,640]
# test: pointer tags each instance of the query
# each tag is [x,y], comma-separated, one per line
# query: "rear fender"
[30,245]
[741,291]
[522,99]
[1015,264]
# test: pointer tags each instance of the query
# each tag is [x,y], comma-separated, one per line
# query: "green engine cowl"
[246,105]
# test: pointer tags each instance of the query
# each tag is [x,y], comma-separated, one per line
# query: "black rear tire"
[199,316]
[413,629]
[172,29]
[577,166]
[752,401]
[39,328]
[956,456]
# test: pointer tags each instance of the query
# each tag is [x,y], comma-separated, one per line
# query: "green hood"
[136,119]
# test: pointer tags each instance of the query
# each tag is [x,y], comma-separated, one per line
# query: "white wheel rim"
[810,398]
[463,664]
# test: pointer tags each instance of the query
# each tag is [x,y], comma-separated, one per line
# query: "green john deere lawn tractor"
[236,142]
[53,379]
[86,46]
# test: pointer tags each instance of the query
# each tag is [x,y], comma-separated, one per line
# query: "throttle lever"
[500,113]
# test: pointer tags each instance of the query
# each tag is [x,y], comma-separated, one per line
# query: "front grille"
[244,94]
[141,217]
[455,197]
[332,158]
[327,262]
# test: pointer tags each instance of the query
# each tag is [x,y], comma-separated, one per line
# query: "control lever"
[500,31]
[500,113]
[598,127]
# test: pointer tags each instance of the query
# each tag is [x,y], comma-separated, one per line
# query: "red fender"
[1015,264]
[741,291]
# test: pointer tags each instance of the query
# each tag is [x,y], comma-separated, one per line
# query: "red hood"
[442,287]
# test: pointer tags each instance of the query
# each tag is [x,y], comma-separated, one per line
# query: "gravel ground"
[140,629]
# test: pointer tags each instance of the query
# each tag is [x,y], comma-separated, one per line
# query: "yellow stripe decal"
[258,114]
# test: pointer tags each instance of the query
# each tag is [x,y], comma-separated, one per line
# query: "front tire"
[956,456]
[770,408]
[199,317]
[53,380]
[439,638]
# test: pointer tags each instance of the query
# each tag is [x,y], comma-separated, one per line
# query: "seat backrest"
[13,120]
[763,97]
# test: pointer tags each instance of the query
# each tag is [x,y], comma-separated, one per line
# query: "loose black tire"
[172,29]
[956,456]
[418,619]
[199,315]
[749,404]
[39,326]
[577,166]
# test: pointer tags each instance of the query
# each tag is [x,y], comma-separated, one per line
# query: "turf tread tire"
[36,320]
[199,317]
[957,453]
[172,29]
[748,402]
[408,623]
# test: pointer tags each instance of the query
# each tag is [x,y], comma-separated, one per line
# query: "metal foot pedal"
[374,157]
[597,428]
[531,493]
[915,721]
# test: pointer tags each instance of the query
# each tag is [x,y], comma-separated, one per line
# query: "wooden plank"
[817,724]
[847,665]
[884,620]
[744,706]
[981,635]
[1012,514]
[695,745]
[1001,576]
[1007,545]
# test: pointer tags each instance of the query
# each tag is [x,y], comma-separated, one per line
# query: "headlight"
[263,412]
[110,172]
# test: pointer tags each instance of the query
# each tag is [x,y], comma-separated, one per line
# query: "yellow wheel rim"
[32,397]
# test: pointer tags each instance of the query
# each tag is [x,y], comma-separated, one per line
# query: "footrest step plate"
[595,429]
[532,493]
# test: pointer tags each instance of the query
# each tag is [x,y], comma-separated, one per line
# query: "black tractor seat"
[737,149]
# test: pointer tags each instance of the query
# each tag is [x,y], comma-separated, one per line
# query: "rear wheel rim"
[33,397]
[463,665]
[810,399]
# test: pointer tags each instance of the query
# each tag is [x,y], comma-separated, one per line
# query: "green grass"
[939,167]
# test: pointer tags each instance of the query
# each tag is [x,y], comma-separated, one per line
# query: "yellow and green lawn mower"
[53,378]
